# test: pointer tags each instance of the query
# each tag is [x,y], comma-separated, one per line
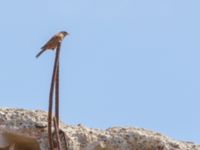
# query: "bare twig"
[57,95]
[51,96]
[57,133]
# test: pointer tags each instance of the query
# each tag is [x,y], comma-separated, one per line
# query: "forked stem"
[51,96]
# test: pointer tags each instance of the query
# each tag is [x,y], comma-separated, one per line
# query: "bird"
[53,42]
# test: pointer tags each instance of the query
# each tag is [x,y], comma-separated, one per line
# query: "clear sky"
[126,62]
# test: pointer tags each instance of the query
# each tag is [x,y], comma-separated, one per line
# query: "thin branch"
[57,133]
[51,96]
[57,95]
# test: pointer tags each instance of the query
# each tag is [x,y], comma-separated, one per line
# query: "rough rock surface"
[25,126]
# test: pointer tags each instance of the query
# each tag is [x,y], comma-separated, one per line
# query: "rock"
[26,129]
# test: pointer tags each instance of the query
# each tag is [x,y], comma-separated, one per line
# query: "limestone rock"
[27,130]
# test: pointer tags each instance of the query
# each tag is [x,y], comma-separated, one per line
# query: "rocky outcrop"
[27,130]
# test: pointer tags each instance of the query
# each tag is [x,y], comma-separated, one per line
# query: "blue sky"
[125,63]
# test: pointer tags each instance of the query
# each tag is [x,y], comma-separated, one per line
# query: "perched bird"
[53,42]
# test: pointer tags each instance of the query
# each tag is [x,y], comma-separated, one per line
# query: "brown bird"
[53,42]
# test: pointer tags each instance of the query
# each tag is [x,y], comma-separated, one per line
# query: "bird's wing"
[50,42]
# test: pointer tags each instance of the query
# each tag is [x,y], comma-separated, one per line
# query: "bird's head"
[64,33]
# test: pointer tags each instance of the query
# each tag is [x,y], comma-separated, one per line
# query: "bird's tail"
[40,53]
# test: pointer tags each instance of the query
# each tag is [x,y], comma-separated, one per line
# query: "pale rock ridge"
[26,129]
